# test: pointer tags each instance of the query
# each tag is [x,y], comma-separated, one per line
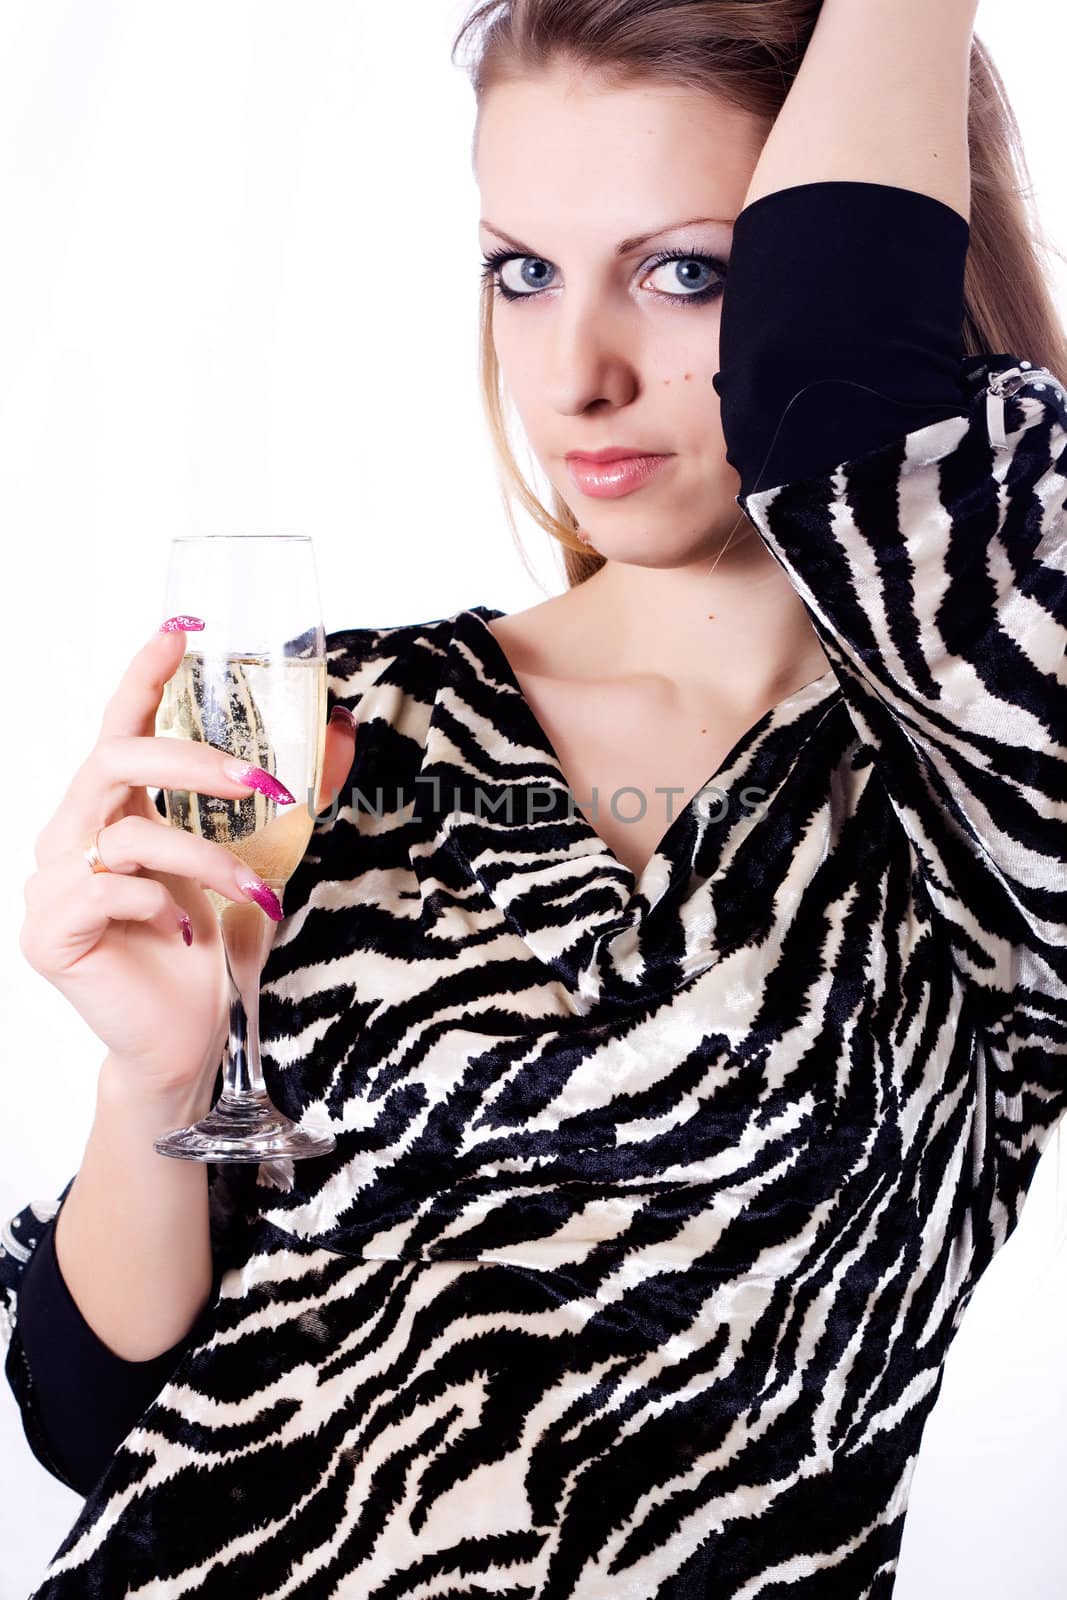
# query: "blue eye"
[702,289]
[493,268]
[534,272]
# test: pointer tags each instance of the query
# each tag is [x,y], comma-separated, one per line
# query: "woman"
[669,1151]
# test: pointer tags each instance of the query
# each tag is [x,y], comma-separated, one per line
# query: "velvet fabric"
[656,1202]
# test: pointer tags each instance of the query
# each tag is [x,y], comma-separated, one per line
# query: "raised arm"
[929,549]
[843,314]
[881,97]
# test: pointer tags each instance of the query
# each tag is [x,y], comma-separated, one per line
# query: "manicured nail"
[187,929]
[263,895]
[342,715]
[256,778]
[181,625]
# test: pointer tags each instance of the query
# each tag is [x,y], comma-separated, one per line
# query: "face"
[600,343]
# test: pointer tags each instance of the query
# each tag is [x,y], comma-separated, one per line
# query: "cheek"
[684,355]
[506,336]
[681,377]
[688,407]
[517,353]
[690,385]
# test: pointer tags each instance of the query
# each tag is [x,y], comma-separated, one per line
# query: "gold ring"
[93,856]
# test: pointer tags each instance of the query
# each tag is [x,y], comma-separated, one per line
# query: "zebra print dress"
[656,1202]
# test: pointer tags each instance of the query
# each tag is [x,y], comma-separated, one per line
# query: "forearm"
[133,1238]
[881,97]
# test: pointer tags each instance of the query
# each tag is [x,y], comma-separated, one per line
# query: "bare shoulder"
[535,639]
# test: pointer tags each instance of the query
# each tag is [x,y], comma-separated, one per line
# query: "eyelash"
[491,265]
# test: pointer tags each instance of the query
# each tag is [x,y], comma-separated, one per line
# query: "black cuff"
[835,290]
[73,1388]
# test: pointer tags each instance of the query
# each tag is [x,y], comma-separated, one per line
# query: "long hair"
[747,53]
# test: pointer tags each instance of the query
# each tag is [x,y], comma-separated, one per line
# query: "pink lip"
[613,452]
[606,479]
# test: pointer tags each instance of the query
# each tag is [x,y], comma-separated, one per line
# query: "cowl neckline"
[492,787]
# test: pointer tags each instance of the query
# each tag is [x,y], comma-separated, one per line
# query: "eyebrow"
[624,247]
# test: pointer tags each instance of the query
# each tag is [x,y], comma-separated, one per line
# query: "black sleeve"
[82,1398]
[842,326]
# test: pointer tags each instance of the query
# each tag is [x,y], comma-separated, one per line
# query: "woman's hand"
[112,942]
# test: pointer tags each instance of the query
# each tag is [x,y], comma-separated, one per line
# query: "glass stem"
[247,935]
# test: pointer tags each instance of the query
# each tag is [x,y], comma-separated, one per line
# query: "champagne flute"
[252,683]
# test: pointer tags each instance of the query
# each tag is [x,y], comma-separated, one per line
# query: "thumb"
[337,761]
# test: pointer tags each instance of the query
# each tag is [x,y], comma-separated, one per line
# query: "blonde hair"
[748,56]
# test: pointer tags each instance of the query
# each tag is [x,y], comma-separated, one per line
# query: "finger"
[132,708]
[134,843]
[61,928]
[102,784]
[337,762]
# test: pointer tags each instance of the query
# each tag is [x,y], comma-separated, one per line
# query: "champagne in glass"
[252,683]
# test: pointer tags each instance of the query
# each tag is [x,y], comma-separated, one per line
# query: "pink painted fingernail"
[187,929]
[342,715]
[181,625]
[256,778]
[263,895]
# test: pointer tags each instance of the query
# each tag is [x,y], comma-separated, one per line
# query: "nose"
[590,357]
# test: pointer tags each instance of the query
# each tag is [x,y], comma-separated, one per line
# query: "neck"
[736,629]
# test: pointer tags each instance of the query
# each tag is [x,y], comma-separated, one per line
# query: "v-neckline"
[491,794]
[504,669]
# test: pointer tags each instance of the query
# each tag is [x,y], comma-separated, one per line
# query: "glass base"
[248,1129]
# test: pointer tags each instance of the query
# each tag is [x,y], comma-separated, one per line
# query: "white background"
[238,293]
